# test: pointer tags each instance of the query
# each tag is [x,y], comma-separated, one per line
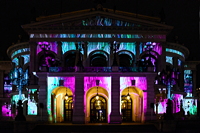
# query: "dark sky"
[183,15]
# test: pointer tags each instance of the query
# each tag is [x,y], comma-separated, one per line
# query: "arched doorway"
[98,109]
[62,106]
[68,109]
[132,104]
[126,109]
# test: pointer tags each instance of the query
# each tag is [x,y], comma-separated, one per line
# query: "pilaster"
[78,110]
[150,98]
[115,116]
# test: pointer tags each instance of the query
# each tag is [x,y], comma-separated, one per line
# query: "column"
[78,110]
[85,48]
[111,55]
[194,83]
[137,54]
[59,52]
[150,98]
[115,116]
[33,64]
[42,96]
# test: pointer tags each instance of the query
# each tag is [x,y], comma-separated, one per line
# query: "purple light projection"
[156,47]
[53,46]
[140,83]
[105,82]
[6,110]
[177,102]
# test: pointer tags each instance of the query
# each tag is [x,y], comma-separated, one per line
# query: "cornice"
[98,29]
[178,47]
[17,46]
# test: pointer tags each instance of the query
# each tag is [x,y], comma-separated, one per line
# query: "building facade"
[100,65]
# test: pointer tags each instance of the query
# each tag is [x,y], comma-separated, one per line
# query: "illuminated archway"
[134,110]
[90,99]
[60,108]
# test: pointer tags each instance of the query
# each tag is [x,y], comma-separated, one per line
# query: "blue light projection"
[130,46]
[26,58]
[20,51]
[179,62]
[175,51]
[104,46]
[169,60]
[32,105]
[16,61]
[188,82]
[103,21]
[97,36]
[67,46]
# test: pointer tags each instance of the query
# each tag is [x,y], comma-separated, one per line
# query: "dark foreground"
[150,127]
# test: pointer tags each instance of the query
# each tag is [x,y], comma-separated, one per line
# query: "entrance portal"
[68,109]
[126,109]
[98,106]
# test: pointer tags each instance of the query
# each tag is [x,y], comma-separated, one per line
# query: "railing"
[99,69]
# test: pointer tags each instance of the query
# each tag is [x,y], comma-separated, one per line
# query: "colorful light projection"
[188,82]
[140,83]
[26,58]
[16,61]
[52,45]
[130,46]
[179,62]
[154,45]
[103,21]
[90,83]
[104,46]
[175,51]
[20,51]
[6,110]
[15,98]
[190,106]
[97,36]
[32,104]
[169,60]
[177,99]
[54,82]
[67,46]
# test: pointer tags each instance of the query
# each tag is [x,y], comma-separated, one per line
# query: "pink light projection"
[140,82]
[53,46]
[177,102]
[104,82]
[6,110]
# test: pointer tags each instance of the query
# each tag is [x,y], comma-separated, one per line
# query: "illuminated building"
[100,66]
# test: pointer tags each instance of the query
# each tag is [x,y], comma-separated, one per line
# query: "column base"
[78,119]
[115,119]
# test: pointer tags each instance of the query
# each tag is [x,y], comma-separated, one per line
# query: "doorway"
[68,109]
[98,109]
[126,109]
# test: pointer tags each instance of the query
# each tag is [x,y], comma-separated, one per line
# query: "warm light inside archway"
[92,92]
[59,95]
[136,96]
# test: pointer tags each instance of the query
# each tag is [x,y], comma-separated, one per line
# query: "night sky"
[183,15]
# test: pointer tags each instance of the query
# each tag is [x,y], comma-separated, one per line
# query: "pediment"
[96,19]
